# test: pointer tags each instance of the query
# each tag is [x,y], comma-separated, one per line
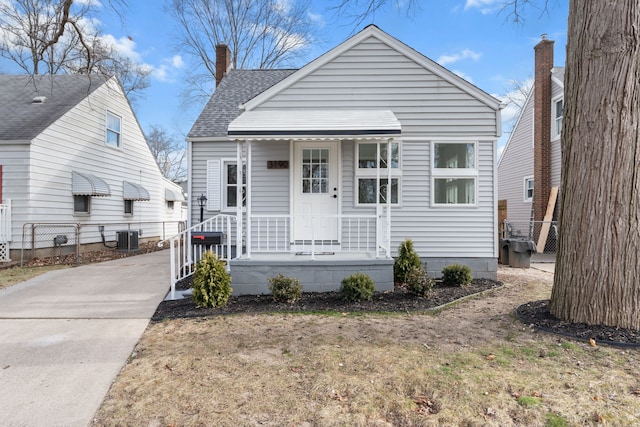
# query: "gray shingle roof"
[21,119]
[237,87]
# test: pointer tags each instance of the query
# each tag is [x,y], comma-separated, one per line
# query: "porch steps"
[249,276]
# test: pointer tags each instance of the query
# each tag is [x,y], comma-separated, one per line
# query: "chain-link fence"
[543,233]
[66,243]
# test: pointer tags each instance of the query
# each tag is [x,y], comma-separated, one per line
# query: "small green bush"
[407,259]
[357,287]
[456,275]
[211,282]
[285,289]
[418,282]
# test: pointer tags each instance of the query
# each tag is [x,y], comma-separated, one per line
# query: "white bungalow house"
[368,145]
[75,168]
[530,165]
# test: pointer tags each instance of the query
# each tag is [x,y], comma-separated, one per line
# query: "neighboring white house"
[530,165]
[72,153]
[320,146]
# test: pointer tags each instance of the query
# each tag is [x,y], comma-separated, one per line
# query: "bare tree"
[57,36]
[168,152]
[259,33]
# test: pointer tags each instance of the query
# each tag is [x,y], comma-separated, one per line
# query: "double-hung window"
[114,125]
[366,174]
[558,111]
[230,184]
[454,173]
[528,189]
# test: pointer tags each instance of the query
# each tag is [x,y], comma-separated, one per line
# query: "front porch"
[321,273]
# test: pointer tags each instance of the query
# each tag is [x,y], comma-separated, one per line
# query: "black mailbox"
[207,238]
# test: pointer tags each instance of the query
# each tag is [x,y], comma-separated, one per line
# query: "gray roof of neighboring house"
[237,87]
[22,119]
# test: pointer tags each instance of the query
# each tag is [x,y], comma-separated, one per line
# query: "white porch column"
[389,186]
[249,160]
[377,196]
[239,198]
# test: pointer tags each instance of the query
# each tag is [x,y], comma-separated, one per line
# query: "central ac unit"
[127,240]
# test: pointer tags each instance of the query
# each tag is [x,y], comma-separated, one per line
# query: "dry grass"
[14,275]
[471,365]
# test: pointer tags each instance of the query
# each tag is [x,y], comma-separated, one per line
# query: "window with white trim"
[230,184]
[114,125]
[528,189]
[81,204]
[454,173]
[558,112]
[366,174]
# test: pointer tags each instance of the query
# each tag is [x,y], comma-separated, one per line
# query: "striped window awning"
[86,184]
[136,192]
[172,196]
[351,124]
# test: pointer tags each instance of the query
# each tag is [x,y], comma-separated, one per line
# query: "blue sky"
[473,38]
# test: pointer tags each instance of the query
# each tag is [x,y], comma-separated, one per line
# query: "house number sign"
[277,164]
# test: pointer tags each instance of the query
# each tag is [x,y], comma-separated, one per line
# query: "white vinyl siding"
[373,75]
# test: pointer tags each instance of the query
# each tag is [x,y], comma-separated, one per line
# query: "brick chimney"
[542,127]
[223,62]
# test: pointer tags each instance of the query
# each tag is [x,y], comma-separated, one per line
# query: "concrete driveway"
[65,336]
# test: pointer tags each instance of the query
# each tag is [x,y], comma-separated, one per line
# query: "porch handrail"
[5,222]
[184,253]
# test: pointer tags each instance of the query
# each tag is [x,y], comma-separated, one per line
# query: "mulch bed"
[537,314]
[398,300]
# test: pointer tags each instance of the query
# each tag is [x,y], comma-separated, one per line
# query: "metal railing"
[67,242]
[354,233]
[185,252]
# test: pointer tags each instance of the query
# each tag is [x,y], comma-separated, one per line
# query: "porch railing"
[5,230]
[353,233]
[185,252]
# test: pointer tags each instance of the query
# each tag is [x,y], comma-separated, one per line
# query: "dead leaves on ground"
[426,405]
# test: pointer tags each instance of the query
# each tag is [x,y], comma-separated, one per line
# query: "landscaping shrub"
[357,287]
[407,259]
[211,282]
[456,275]
[418,282]
[285,289]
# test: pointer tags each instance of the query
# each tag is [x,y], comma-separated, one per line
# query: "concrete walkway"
[65,336]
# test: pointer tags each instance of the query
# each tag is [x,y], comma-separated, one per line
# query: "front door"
[315,192]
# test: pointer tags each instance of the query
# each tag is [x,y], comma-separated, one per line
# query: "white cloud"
[177,61]
[125,46]
[465,54]
[485,6]
[160,73]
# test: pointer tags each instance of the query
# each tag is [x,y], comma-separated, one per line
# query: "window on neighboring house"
[528,189]
[128,207]
[81,204]
[230,184]
[170,204]
[366,155]
[113,129]
[559,110]
[454,173]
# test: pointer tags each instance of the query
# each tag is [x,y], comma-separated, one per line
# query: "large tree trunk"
[597,279]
